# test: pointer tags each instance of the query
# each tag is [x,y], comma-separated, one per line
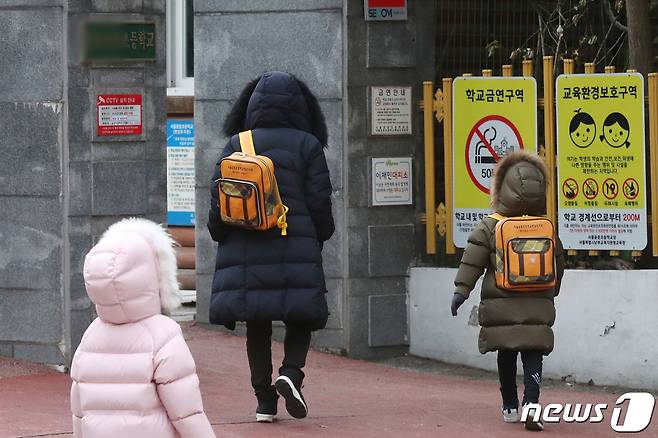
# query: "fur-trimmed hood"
[277,100]
[519,185]
[130,274]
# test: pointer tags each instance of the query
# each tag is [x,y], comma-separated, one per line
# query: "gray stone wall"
[117,176]
[236,41]
[60,185]
[329,45]
[32,233]
[383,242]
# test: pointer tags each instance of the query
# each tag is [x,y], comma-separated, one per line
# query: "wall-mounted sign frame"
[391,181]
[391,110]
[385,10]
[119,41]
[180,172]
[119,114]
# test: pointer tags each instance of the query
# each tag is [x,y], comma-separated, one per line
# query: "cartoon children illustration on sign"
[616,130]
[582,129]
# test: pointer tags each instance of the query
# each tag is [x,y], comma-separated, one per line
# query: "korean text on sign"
[492,118]
[601,162]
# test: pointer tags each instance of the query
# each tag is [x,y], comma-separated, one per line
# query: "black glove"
[457,300]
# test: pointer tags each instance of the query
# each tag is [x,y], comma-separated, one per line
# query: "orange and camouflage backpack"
[248,193]
[525,253]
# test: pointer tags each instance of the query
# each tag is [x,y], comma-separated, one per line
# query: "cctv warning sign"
[119,114]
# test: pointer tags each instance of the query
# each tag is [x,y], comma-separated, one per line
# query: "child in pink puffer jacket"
[133,375]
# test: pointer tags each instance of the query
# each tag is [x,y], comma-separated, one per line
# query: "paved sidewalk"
[347,398]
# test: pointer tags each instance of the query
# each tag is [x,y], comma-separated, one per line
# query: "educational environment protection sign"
[119,114]
[390,109]
[601,159]
[391,181]
[180,172]
[492,116]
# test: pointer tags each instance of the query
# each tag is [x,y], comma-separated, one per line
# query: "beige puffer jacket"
[510,320]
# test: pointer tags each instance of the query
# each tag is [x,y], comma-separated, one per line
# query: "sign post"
[601,156]
[494,117]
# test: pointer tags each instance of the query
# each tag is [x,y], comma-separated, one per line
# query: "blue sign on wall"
[180,172]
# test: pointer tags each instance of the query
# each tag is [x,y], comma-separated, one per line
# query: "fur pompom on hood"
[277,100]
[163,246]
[519,185]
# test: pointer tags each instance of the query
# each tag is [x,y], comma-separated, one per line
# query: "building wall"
[60,185]
[382,242]
[235,41]
[330,46]
[604,330]
[32,232]
[116,176]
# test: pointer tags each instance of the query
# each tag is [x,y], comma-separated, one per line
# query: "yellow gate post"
[549,135]
[569,70]
[610,69]
[447,161]
[653,158]
[590,68]
[636,253]
[430,178]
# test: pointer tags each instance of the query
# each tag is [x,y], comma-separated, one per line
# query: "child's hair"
[616,118]
[579,118]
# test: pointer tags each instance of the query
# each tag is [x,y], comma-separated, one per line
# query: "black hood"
[277,100]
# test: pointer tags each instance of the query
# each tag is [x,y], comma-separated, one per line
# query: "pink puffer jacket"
[133,375]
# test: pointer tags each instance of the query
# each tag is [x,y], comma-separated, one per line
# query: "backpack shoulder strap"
[247,143]
[498,217]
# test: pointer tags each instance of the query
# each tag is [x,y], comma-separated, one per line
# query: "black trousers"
[259,352]
[532,368]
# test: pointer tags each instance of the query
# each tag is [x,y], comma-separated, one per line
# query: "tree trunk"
[639,35]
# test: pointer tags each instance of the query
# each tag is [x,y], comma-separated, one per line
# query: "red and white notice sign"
[385,10]
[119,114]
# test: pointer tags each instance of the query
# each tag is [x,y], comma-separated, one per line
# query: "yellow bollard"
[430,177]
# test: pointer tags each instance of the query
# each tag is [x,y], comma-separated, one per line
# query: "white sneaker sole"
[512,419]
[265,418]
[294,402]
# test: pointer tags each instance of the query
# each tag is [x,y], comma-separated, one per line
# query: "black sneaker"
[295,404]
[266,410]
[533,410]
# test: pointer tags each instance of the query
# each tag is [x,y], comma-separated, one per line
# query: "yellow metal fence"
[439,105]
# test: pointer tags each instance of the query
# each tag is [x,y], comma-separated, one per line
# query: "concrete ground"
[404,397]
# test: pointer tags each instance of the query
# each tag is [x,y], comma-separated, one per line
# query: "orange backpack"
[525,253]
[248,193]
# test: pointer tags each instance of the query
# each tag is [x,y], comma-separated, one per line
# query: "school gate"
[387,295]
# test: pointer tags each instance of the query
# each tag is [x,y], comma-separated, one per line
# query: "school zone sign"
[632,412]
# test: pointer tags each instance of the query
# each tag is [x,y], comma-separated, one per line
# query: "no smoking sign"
[491,139]
[493,116]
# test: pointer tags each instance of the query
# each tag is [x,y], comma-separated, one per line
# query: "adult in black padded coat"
[262,277]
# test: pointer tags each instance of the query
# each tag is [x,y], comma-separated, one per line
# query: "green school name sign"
[106,41]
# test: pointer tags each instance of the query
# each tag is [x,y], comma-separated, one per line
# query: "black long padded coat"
[263,275]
